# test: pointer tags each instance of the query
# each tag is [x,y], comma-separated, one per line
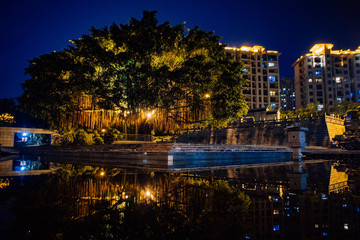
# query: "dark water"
[315,199]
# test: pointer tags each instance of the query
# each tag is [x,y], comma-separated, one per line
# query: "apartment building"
[327,76]
[262,71]
[287,93]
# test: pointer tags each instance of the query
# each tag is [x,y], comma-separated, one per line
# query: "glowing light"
[148,193]
[207,95]
[254,49]
[102,173]
[320,48]
[24,134]
[149,115]
[103,130]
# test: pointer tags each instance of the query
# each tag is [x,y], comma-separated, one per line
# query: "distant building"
[287,93]
[327,76]
[263,75]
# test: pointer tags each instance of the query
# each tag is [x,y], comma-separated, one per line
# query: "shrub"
[97,138]
[111,135]
[68,137]
[83,138]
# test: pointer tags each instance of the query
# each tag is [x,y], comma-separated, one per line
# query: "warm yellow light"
[253,49]
[148,193]
[149,115]
[207,95]
[102,173]
[103,130]
[245,48]
[320,47]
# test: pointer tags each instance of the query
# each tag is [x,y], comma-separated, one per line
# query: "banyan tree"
[142,74]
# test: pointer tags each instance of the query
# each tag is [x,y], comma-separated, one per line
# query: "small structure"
[296,140]
[22,137]
[259,114]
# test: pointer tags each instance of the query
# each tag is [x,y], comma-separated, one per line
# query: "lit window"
[272,78]
[272,93]
[346,226]
[272,58]
[310,79]
[338,79]
[276,228]
[319,80]
[271,64]
[316,225]
[276,211]
[317,72]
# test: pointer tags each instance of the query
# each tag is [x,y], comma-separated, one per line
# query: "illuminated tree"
[140,66]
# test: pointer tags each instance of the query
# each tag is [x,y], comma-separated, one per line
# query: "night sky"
[32,28]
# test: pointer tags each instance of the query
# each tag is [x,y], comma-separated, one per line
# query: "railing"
[334,120]
[248,123]
[135,137]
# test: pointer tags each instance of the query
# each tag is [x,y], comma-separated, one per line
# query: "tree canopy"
[139,66]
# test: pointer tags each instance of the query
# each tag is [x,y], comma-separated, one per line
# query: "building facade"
[327,76]
[262,71]
[287,93]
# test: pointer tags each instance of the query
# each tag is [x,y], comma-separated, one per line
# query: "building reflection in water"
[313,202]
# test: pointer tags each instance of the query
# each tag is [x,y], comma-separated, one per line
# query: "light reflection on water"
[315,199]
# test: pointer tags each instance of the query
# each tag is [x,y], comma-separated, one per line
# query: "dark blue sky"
[32,28]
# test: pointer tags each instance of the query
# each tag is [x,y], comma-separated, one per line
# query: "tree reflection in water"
[83,202]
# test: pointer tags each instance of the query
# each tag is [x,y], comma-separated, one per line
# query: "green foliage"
[144,66]
[311,110]
[98,139]
[68,137]
[6,120]
[79,137]
[83,138]
[111,135]
[347,108]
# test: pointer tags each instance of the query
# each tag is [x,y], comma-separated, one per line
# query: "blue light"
[24,134]
[272,79]
[351,95]
[276,228]
[22,168]
[317,72]
[247,237]
[358,209]
[344,205]
[325,234]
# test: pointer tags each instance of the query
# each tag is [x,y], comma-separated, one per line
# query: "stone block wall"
[263,133]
